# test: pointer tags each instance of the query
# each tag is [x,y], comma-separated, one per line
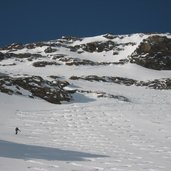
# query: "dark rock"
[36,55]
[12,64]
[2,56]
[77,61]
[41,44]
[30,46]
[123,61]
[44,63]
[98,46]
[74,48]
[161,84]
[6,90]
[154,53]
[50,50]
[22,55]
[58,56]
[75,78]
[115,53]
[6,55]
[38,87]
[14,46]
[15,55]
[90,47]
[109,36]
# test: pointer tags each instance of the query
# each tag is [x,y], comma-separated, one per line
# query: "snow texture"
[88,133]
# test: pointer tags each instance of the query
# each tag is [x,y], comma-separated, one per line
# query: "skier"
[16,130]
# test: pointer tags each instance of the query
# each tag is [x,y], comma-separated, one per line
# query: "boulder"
[154,53]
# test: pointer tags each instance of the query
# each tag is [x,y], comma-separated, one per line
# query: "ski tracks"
[96,130]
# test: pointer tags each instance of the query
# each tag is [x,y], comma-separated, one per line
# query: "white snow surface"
[88,133]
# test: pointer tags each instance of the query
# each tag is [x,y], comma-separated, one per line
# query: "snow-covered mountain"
[115,104]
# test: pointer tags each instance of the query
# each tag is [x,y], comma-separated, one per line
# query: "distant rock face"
[99,46]
[51,91]
[19,55]
[95,46]
[14,46]
[154,53]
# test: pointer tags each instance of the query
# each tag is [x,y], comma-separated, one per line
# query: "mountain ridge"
[109,52]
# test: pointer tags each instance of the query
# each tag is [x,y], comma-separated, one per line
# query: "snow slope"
[89,133]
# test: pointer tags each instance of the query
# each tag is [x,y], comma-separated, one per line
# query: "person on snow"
[16,130]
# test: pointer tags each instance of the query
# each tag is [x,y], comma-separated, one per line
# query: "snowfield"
[89,133]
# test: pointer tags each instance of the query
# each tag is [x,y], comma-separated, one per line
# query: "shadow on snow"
[24,151]
[81,98]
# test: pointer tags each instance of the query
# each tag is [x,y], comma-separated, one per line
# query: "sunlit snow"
[88,133]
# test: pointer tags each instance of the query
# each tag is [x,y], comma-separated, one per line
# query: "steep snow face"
[117,119]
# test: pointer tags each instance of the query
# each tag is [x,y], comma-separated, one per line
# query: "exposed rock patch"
[98,47]
[51,91]
[77,61]
[109,36]
[13,46]
[44,63]
[154,53]
[161,84]
[50,50]
[95,46]
[18,55]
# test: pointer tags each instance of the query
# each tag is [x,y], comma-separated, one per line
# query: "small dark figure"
[16,130]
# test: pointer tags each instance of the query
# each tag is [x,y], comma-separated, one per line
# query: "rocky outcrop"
[13,46]
[34,45]
[18,46]
[51,91]
[2,56]
[69,39]
[160,84]
[154,53]
[110,36]
[18,55]
[77,61]
[95,46]
[44,63]
[50,50]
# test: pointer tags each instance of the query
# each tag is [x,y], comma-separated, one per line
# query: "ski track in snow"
[107,133]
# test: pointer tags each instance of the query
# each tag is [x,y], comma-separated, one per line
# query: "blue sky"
[25,21]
